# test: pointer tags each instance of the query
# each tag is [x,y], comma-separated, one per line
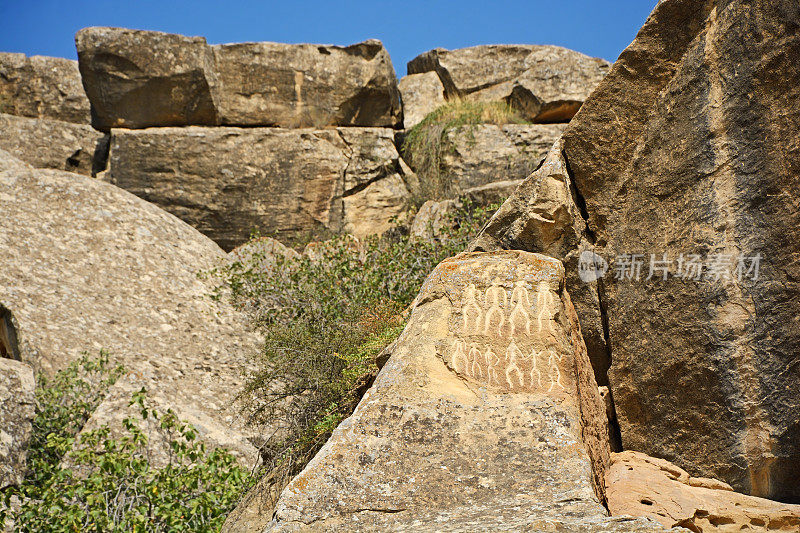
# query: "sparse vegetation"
[101,481]
[325,320]
[428,142]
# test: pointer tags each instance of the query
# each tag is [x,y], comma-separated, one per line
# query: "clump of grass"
[428,142]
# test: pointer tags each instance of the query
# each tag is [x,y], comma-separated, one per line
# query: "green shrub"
[428,142]
[100,481]
[324,321]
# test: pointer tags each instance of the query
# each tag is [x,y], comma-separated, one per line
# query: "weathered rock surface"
[484,417]
[45,143]
[89,266]
[16,414]
[136,79]
[691,145]
[42,87]
[639,485]
[545,83]
[421,94]
[285,183]
[307,85]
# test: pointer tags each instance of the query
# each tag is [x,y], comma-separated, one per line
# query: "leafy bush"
[100,481]
[324,320]
[427,143]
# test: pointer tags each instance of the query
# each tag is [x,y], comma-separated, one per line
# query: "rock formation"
[290,184]
[89,266]
[17,400]
[485,416]
[45,143]
[139,79]
[639,485]
[421,94]
[544,83]
[42,87]
[697,166]
[307,85]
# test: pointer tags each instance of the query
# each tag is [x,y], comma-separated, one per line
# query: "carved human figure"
[520,303]
[460,357]
[496,300]
[544,301]
[476,357]
[536,374]
[513,368]
[492,362]
[554,372]
[471,311]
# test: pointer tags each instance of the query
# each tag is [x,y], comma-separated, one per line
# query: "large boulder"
[486,416]
[17,402]
[307,85]
[88,266]
[639,485]
[45,143]
[136,79]
[290,184]
[42,87]
[544,83]
[689,150]
[421,94]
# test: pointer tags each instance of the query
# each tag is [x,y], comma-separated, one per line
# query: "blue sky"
[407,28]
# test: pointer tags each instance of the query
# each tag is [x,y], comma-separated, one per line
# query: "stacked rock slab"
[421,94]
[139,79]
[484,417]
[639,485]
[42,87]
[46,143]
[16,414]
[544,83]
[699,156]
[307,85]
[291,184]
[90,267]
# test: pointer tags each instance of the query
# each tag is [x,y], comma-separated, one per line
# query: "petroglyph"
[544,303]
[496,299]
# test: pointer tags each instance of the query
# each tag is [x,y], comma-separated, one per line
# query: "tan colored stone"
[639,485]
[89,266]
[307,85]
[45,143]
[545,83]
[421,94]
[42,87]
[289,184]
[137,79]
[17,401]
[480,419]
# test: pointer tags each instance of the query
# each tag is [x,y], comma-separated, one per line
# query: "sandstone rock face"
[421,94]
[639,485]
[700,156]
[17,402]
[42,87]
[136,79]
[286,183]
[45,143]
[307,85]
[89,266]
[545,83]
[483,417]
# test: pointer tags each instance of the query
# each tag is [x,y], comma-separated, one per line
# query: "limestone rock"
[307,85]
[42,87]
[285,183]
[89,266]
[17,402]
[690,145]
[421,94]
[482,417]
[545,83]
[639,485]
[136,79]
[45,143]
